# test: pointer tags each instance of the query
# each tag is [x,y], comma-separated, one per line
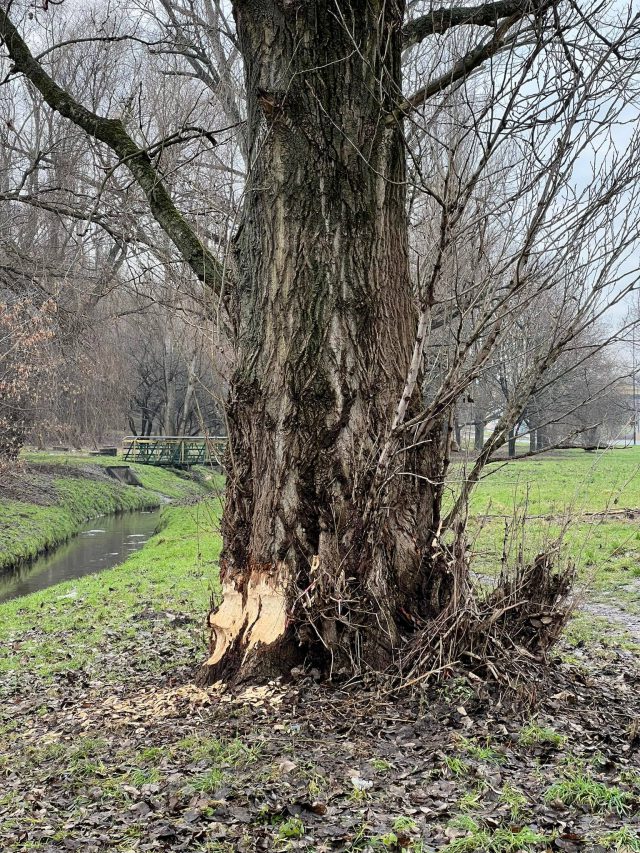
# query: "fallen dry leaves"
[141,762]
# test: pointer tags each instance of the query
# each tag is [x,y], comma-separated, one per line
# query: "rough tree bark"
[325,327]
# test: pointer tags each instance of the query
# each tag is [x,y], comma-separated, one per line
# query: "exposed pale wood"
[257,615]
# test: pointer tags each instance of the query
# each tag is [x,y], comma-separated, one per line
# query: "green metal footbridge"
[174,451]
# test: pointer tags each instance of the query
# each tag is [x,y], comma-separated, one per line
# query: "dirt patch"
[620,618]
[35,483]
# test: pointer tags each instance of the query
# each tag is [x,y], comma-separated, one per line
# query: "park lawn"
[555,497]
[565,480]
[99,623]
[605,551]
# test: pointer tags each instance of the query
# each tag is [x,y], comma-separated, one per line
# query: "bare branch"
[112,133]
[463,67]
[487,14]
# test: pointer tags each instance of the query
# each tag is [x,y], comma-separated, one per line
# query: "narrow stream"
[101,544]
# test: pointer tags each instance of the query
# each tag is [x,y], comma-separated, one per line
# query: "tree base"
[251,638]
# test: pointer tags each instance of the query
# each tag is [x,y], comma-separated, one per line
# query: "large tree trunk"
[188,395]
[458,436]
[542,438]
[169,418]
[323,559]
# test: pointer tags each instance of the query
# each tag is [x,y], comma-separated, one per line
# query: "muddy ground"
[149,762]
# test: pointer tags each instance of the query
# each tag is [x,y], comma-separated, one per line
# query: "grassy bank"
[168,482]
[100,623]
[49,499]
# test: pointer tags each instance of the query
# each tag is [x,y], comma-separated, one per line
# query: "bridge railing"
[175,451]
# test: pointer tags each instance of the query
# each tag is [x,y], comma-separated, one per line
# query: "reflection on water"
[97,547]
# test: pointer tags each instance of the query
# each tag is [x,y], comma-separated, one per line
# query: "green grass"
[404,824]
[291,828]
[150,755]
[455,766]
[556,493]
[176,571]
[624,840]
[391,842]
[480,752]
[166,481]
[551,484]
[464,822]
[397,838]
[208,782]
[143,776]
[515,801]
[500,840]
[471,800]
[233,753]
[534,735]
[581,789]
[380,765]
[588,630]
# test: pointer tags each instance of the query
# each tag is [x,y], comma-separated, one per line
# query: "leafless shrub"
[25,364]
[500,632]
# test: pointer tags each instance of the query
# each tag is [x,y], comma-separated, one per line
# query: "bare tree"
[506,130]
[174,387]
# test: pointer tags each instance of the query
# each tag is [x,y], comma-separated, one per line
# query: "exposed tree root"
[500,634]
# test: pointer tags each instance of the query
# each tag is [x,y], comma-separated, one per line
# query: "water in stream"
[101,544]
